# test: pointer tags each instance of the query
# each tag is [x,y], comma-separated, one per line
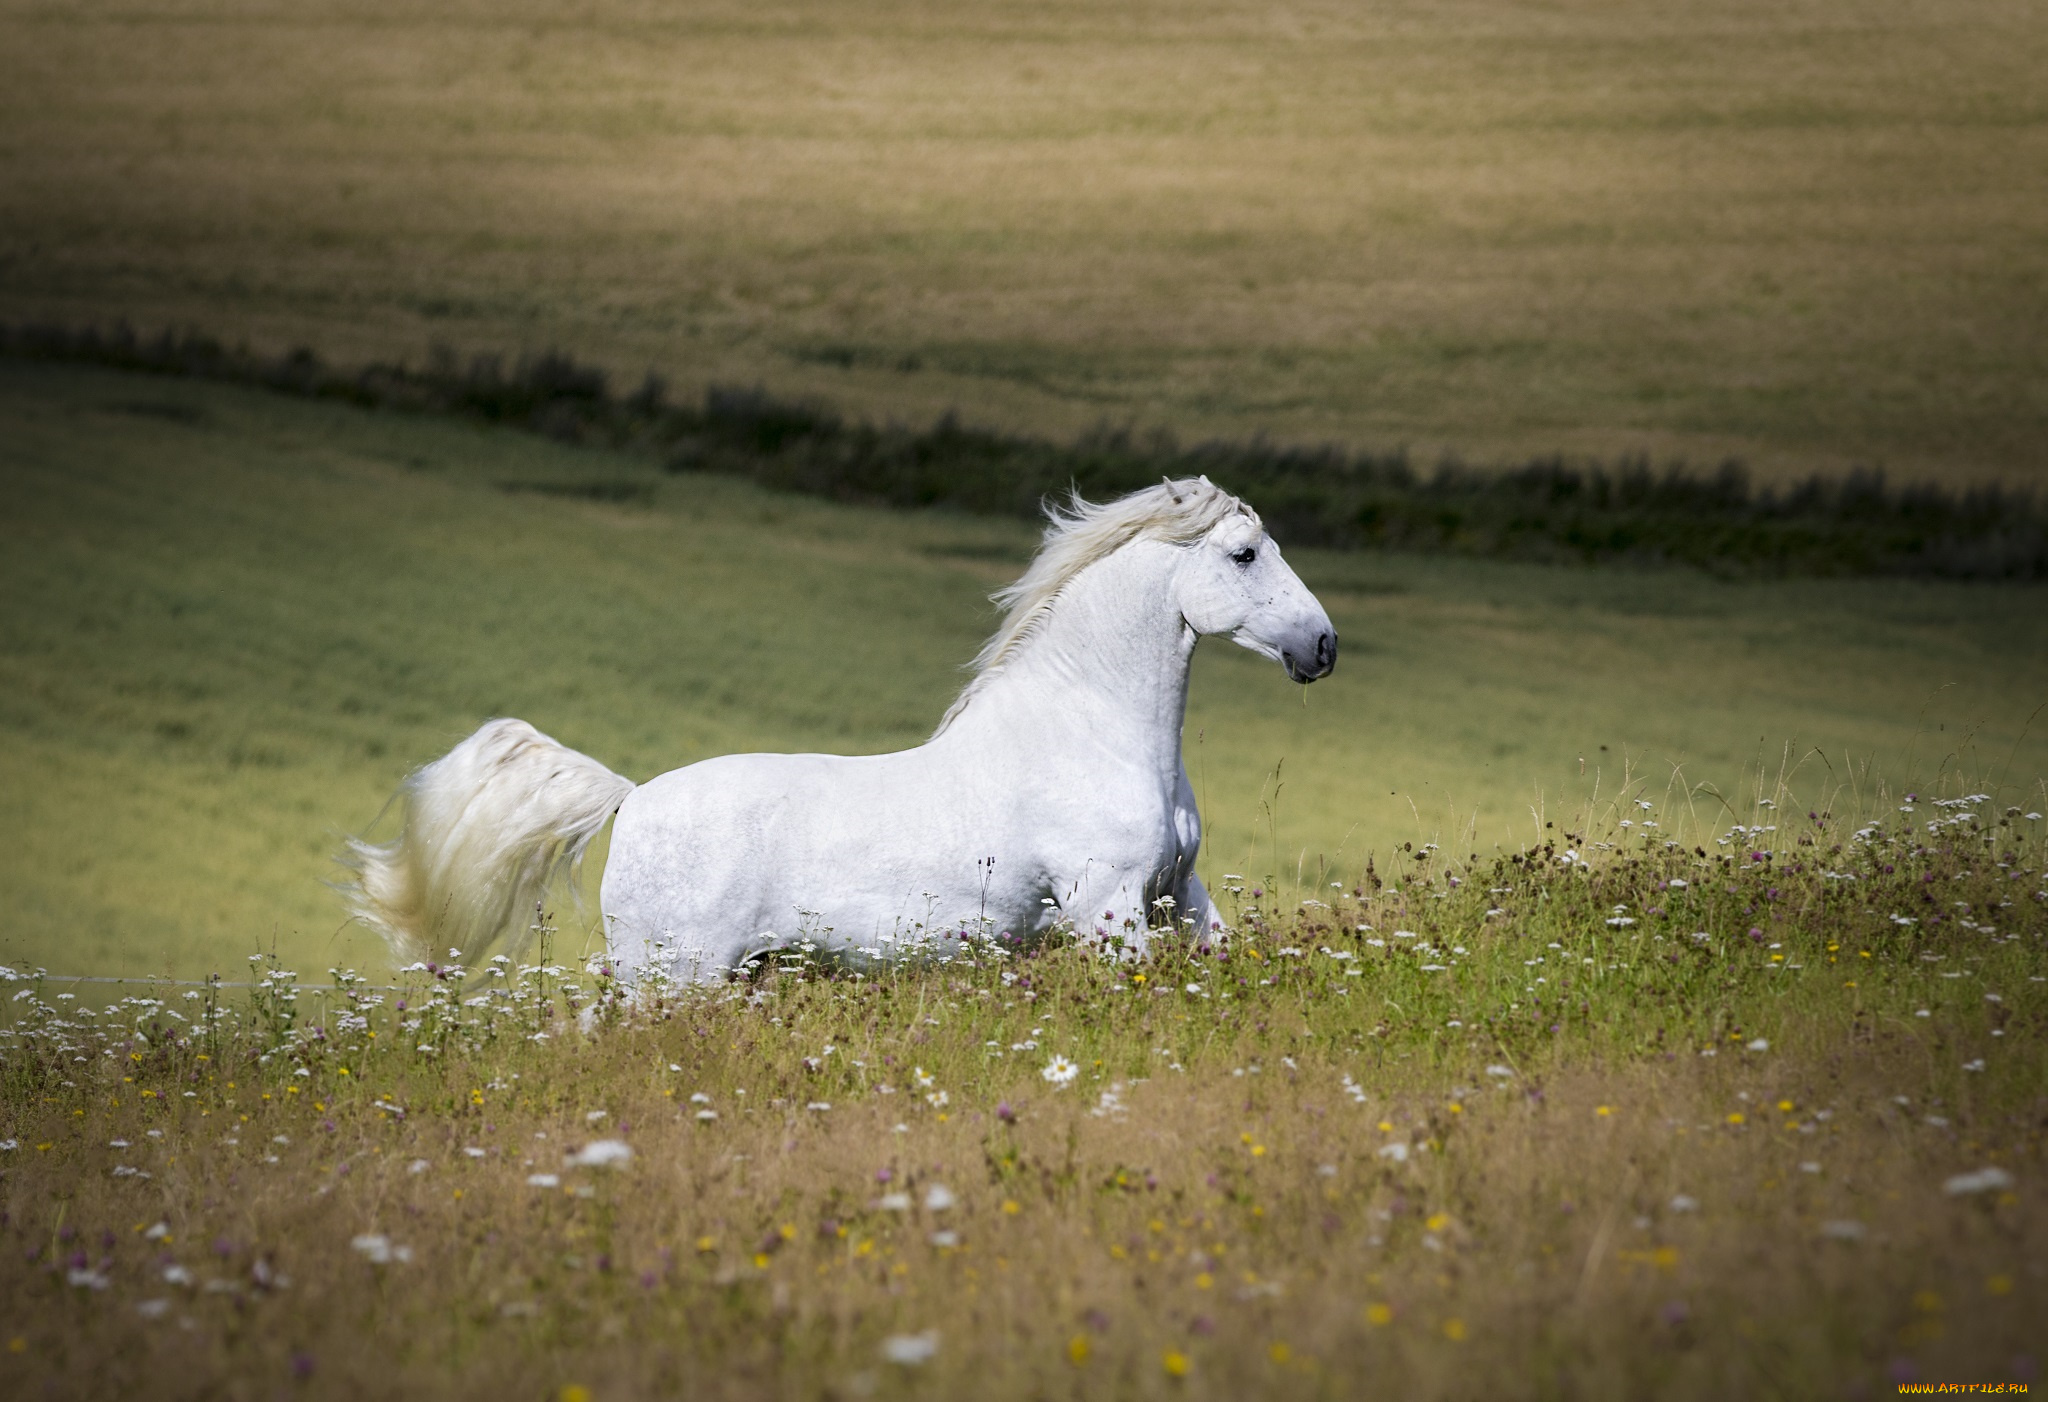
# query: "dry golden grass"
[1801,234]
[1804,1160]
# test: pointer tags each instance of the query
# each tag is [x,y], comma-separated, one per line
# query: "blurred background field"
[1804,234]
[233,622]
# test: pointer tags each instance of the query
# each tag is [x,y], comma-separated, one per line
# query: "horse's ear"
[1171,490]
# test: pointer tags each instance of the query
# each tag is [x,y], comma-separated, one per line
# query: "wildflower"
[1175,1362]
[1011,1207]
[1683,1203]
[1842,1230]
[376,1248]
[1379,1316]
[543,1180]
[1454,1330]
[925,1079]
[910,1350]
[1984,1180]
[1077,1350]
[938,1198]
[1060,1071]
[602,1153]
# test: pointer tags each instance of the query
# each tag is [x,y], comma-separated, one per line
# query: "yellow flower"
[1786,1106]
[1011,1207]
[1258,1151]
[705,1243]
[1604,1110]
[573,1392]
[1454,1330]
[1379,1315]
[1386,1127]
[1735,1118]
[1204,1281]
[1175,1362]
[760,1260]
[1077,1350]
[1665,1258]
[1280,1353]
[1438,1222]
[1998,1285]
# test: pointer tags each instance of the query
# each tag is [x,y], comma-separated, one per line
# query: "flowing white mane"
[1080,533]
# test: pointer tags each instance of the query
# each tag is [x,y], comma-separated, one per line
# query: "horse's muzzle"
[1306,670]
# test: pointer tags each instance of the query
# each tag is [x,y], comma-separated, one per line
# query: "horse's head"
[1234,581]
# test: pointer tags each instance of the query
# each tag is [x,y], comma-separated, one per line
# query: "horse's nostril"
[1326,649]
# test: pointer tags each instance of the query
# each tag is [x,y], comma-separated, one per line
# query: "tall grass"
[1544,509]
[1613,1114]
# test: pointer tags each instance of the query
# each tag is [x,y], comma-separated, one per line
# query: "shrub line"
[1546,509]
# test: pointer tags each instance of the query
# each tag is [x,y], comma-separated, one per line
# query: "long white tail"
[487,827]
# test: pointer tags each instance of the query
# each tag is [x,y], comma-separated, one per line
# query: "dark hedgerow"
[1545,509]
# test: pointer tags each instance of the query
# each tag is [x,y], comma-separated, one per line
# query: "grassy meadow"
[235,621]
[1804,235]
[1761,1117]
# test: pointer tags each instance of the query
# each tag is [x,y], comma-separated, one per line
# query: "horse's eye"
[1244,556]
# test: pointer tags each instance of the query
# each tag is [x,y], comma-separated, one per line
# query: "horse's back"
[736,844]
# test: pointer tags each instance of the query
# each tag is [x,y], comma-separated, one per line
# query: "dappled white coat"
[1053,792]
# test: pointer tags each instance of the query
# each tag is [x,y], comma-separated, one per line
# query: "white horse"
[1052,793]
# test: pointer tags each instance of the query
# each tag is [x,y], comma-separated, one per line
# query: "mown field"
[1800,234]
[233,622]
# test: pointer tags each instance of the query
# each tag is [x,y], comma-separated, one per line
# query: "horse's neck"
[1111,659]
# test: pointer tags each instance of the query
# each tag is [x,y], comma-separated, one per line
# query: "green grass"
[1794,234]
[1775,1130]
[233,622]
